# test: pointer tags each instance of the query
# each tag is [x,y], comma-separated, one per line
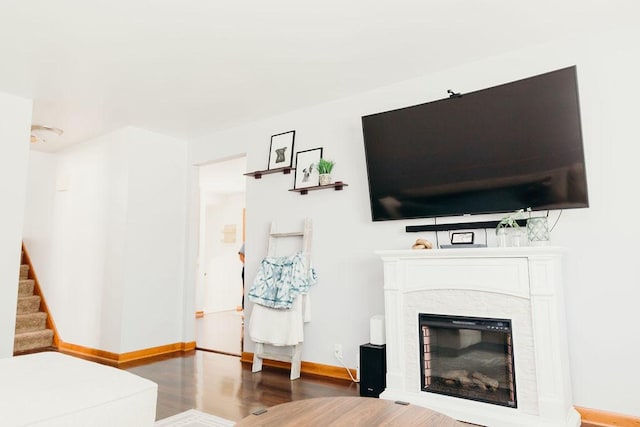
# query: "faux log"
[491,383]
[481,385]
[455,374]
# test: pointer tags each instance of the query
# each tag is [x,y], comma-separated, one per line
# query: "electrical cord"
[348,370]
[557,219]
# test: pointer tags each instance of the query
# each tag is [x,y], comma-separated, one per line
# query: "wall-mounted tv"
[512,146]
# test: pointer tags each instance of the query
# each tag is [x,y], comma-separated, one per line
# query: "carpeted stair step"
[31,322]
[33,340]
[25,287]
[24,271]
[29,304]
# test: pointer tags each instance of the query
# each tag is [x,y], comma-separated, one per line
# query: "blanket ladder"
[294,352]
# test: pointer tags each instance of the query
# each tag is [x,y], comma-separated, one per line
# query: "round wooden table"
[347,411]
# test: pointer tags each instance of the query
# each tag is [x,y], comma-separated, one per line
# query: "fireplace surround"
[521,285]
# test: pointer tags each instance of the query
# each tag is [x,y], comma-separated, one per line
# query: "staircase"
[31,332]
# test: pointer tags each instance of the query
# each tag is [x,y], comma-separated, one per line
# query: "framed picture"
[307,168]
[281,152]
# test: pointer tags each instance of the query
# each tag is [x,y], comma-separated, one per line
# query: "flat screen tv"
[513,146]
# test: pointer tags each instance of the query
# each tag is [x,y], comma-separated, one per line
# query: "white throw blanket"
[280,327]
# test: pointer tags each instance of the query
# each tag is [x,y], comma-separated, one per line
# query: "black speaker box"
[373,370]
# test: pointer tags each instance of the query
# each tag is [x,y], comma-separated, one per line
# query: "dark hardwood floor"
[221,385]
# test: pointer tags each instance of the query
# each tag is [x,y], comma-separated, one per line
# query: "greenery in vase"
[325,166]
[511,220]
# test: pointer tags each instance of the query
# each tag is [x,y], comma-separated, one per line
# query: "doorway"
[219,291]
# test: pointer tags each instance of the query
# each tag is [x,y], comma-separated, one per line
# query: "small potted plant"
[324,169]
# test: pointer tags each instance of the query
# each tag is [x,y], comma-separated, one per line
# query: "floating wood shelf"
[338,185]
[258,174]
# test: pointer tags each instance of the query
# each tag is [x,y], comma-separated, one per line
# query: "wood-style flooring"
[223,386]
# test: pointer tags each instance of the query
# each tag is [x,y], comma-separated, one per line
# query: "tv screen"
[500,149]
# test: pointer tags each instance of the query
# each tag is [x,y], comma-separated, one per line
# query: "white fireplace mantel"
[521,284]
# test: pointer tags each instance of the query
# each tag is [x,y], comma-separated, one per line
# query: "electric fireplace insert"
[468,357]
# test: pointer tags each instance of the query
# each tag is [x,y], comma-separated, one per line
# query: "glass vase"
[538,231]
[502,238]
[517,238]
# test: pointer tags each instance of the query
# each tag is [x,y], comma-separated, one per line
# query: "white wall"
[155,231]
[602,274]
[15,120]
[84,286]
[38,224]
[113,263]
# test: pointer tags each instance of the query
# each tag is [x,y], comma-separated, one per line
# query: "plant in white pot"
[324,169]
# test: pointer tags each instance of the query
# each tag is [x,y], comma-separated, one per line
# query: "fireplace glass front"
[468,357]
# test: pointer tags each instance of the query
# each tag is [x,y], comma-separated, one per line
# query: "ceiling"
[188,68]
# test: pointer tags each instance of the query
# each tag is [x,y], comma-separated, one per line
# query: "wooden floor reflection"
[221,385]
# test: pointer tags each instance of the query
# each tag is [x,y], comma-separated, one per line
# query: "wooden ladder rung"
[291,234]
[278,357]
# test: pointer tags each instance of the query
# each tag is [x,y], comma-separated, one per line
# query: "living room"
[140,249]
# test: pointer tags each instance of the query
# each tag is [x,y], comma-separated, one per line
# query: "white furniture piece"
[55,390]
[291,353]
[522,284]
